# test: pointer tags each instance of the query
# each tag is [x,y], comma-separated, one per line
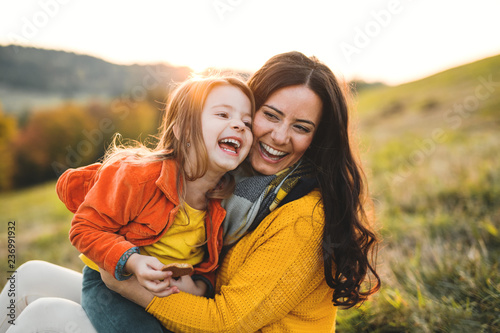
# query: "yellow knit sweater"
[272,280]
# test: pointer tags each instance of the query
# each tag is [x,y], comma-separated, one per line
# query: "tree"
[52,141]
[8,129]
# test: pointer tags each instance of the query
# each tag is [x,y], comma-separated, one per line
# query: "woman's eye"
[302,129]
[270,116]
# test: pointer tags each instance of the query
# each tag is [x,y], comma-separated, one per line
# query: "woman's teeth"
[276,154]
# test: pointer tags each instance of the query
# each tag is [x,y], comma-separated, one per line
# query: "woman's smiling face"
[283,128]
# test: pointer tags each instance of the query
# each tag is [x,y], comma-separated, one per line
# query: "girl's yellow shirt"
[183,241]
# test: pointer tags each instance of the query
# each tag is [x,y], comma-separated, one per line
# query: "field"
[431,154]
[41,228]
[431,149]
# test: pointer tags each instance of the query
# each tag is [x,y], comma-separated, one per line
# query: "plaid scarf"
[255,196]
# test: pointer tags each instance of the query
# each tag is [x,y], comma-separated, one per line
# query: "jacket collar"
[168,180]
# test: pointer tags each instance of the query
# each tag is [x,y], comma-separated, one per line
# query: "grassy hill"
[431,151]
[461,98]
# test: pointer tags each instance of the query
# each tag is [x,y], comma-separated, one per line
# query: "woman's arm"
[132,289]
[279,271]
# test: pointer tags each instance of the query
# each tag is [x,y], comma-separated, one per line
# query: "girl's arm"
[118,197]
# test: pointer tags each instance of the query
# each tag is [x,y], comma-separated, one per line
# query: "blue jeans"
[110,312]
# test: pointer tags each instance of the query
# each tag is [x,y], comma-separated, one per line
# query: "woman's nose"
[280,135]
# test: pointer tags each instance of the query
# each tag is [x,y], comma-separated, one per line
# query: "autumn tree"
[52,141]
[8,127]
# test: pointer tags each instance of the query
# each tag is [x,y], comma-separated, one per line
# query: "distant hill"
[31,77]
[464,98]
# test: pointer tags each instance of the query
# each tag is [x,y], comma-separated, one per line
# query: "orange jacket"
[124,205]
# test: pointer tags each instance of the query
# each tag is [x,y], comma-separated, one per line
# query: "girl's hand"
[186,284]
[148,273]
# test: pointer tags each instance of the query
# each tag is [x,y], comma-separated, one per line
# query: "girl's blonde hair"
[183,117]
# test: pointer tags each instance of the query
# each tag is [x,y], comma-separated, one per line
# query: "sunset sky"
[393,41]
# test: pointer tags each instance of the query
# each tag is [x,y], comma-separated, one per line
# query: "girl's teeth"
[236,143]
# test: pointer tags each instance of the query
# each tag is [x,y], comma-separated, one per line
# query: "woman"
[312,252]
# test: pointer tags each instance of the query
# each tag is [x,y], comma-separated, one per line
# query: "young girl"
[142,209]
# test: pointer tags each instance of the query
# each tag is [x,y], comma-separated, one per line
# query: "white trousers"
[42,297]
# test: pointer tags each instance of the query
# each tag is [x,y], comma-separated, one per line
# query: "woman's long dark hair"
[349,243]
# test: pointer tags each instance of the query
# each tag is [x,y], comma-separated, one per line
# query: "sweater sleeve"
[280,269]
[111,203]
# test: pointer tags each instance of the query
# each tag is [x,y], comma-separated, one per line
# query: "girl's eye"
[222,114]
[248,124]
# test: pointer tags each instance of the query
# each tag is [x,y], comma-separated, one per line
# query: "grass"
[438,205]
[42,225]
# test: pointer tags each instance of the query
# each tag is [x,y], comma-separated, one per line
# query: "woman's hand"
[132,290]
[186,284]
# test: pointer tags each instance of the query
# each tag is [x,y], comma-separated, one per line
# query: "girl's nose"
[237,125]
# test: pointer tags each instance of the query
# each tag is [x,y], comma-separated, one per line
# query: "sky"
[393,41]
